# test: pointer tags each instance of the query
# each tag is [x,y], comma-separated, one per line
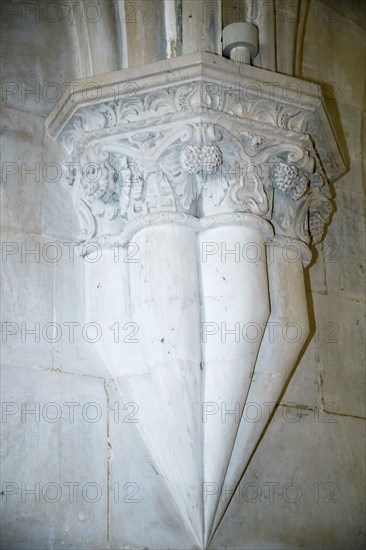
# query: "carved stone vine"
[208,163]
[200,147]
[288,179]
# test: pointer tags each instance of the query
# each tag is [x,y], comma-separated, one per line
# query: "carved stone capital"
[198,135]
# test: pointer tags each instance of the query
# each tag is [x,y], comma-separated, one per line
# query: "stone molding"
[199,135]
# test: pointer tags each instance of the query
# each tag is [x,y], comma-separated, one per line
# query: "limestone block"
[262,14]
[167,384]
[163,377]
[75,351]
[201,26]
[27,301]
[287,21]
[303,387]
[39,53]
[345,244]
[333,54]
[58,217]
[94,21]
[341,346]
[59,451]
[308,471]
[229,350]
[348,122]
[21,148]
[353,9]
[142,32]
[316,277]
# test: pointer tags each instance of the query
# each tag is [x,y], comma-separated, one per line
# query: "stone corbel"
[217,174]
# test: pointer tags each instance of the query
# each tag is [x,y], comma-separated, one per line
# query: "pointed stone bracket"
[216,172]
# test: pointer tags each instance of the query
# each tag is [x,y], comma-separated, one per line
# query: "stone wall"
[75,473]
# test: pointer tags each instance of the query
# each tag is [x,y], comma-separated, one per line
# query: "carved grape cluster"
[102,185]
[190,158]
[211,158]
[288,178]
[301,187]
[194,159]
[317,224]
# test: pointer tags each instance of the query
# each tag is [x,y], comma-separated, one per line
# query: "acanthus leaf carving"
[215,187]
[187,166]
[130,107]
[188,190]
[249,195]
[123,186]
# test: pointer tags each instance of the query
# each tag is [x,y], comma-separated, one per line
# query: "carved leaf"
[187,190]
[248,195]
[216,186]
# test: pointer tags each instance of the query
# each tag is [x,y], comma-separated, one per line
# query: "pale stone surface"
[306,480]
[59,445]
[225,356]
[316,277]
[75,352]
[286,332]
[348,123]
[94,36]
[142,28]
[345,242]
[39,58]
[165,307]
[143,505]
[330,42]
[303,387]
[201,26]
[217,84]
[27,301]
[341,344]
[353,9]
[287,25]
[262,14]
[21,148]
[59,220]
